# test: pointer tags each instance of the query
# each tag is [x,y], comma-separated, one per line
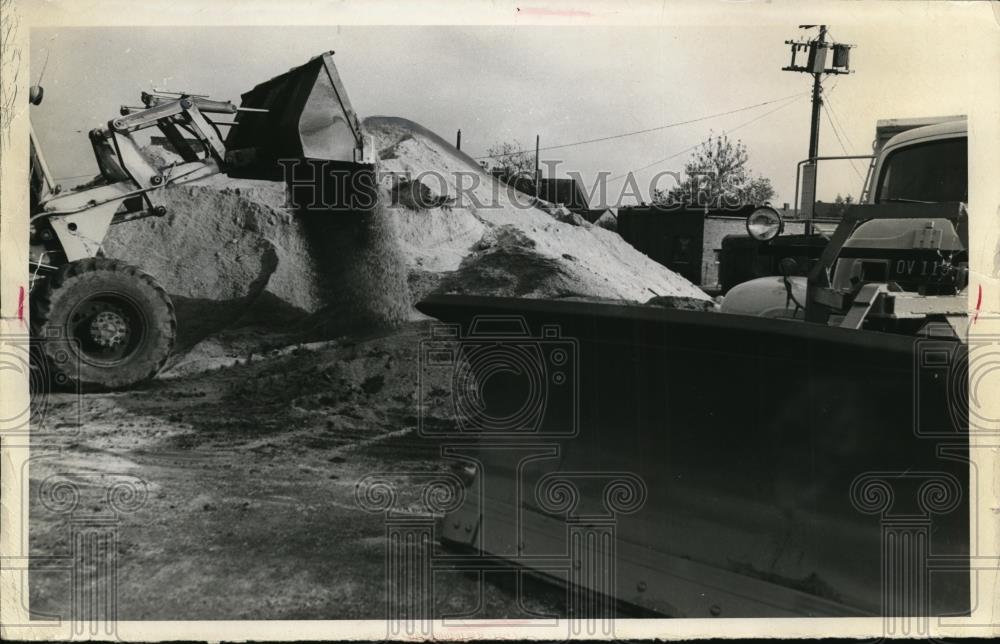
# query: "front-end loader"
[101,323]
[802,452]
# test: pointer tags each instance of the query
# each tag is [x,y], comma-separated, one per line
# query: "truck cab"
[924,165]
[905,243]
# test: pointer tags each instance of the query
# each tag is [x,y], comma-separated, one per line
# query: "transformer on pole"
[816,53]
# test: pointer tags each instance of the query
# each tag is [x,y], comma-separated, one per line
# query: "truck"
[803,451]
[743,258]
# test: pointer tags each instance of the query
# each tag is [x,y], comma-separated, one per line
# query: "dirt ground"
[250,464]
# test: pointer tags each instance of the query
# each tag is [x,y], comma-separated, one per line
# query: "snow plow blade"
[303,114]
[718,465]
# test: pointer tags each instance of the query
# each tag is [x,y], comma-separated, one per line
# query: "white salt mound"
[488,240]
[230,253]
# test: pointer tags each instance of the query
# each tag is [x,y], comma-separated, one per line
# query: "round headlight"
[764,224]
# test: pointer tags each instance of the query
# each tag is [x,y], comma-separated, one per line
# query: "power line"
[688,149]
[836,123]
[833,127]
[840,124]
[674,155]
[647,130]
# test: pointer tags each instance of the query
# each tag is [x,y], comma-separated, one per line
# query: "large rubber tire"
[102,324]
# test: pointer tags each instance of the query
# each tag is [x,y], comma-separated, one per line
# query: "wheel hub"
[108,329]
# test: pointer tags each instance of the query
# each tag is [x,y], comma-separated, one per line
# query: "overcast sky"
[509,83]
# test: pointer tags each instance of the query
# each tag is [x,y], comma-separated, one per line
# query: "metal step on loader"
[100,323]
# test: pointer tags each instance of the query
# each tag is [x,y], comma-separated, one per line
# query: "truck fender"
[767,297]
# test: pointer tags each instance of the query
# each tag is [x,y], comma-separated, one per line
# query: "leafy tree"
[840,204]
[718,176]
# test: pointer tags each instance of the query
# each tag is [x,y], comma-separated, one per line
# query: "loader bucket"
[303,114]
[719,465]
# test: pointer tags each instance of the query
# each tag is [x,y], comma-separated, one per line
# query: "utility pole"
[817,95]
[816,50]
[538,173]
[458,140]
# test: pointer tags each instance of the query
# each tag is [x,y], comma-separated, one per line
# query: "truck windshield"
[932,172]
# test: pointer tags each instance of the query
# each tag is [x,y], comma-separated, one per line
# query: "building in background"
[565,192]
[690,241]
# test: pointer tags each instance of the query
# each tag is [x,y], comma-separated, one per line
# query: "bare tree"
[509,159]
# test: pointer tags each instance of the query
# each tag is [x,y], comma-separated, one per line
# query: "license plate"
[909,270]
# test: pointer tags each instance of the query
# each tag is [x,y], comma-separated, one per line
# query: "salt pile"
[230,253]
[497,245]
